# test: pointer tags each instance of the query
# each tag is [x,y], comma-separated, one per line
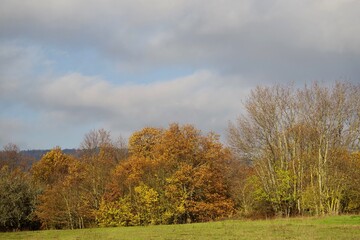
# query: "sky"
[71,66]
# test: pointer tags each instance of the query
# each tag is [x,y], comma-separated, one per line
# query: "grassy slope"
[338,227]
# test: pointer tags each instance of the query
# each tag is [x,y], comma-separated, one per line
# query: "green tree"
[17,200]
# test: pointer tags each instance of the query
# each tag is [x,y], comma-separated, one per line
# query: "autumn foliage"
[60,203]
[293,152]
[163,176]
[173,175]
[303,145]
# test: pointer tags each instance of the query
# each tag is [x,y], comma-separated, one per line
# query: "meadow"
[333,227]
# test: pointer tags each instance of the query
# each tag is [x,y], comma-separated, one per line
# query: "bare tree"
[96,139]
[293,138]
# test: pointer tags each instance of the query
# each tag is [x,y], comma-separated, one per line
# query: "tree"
[242,188]
[11,157]
[100,155]
[17,200]
[351,200]
[116,213]
[173,175]
[294,139]
[61,203]
[143,142]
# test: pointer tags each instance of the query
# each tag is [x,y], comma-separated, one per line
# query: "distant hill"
[37,154]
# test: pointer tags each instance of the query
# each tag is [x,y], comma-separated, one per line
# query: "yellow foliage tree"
[60,205]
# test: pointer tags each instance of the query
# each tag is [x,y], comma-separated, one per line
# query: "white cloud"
[61,103]
[225,46]
[202,98]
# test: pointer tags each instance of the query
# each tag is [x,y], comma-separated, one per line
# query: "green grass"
[336,227]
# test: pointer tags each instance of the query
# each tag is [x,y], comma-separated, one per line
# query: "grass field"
[337,227]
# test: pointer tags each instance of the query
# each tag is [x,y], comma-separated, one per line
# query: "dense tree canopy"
[60,205]
[173,175]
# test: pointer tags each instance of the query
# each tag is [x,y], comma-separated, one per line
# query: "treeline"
[294,152]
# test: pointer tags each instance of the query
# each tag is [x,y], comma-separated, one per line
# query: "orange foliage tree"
[176,175]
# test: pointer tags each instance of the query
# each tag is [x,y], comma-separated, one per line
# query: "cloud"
[199,98]
[69,66]
[11,131]
[233,35]
[44,104]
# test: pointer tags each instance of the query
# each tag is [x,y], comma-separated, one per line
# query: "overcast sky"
[71,66]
